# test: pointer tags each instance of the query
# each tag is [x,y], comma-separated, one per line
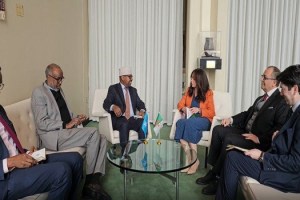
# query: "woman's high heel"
[185,170]
[187,151]
[193,168]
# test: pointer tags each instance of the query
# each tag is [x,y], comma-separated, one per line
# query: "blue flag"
[144,162]
[145,125]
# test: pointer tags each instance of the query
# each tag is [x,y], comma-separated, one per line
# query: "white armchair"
[105,123]
[20,114]
[223,109]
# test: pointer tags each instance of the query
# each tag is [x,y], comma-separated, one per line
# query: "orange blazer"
[207,107]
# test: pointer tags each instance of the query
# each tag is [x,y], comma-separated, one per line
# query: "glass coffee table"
[152,156]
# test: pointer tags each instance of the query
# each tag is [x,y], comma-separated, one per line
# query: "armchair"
[223,109]
[105,123]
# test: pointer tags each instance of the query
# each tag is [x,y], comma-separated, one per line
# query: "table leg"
[177,184]
[125,176]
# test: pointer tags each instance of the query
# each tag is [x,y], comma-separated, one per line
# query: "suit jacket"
[269,119]
[23,174]
[3,155]
[281,165]
[115,96]
[47,116]
[207,107]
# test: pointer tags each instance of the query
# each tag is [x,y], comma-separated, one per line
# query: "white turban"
[124,71]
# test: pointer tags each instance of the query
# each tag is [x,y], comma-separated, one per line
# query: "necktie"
[258,106]
[265,97]
[290,113]
[12,135]
[127,102]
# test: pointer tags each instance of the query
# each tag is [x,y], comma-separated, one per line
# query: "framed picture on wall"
[2,10]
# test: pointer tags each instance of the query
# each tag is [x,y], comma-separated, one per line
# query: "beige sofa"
[253,190]
[21,115]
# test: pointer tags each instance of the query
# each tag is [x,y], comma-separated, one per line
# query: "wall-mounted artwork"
[2,10]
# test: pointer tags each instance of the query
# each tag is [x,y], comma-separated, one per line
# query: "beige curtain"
[144,35]
[261,33]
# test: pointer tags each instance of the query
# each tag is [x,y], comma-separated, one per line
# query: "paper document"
[39,155]
[230,146]
[188,113]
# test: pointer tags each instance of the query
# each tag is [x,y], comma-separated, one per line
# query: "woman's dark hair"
[202,84]
[290,76]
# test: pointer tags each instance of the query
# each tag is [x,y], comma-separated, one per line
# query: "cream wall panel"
[221,76]
[50,31]
[192,36]
[207,15]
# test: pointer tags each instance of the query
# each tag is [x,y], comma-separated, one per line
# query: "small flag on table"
[145,125]
[144,161]
[158,124]
[157,161]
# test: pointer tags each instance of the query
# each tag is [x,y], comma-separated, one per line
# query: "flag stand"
[158,141]
[157,126]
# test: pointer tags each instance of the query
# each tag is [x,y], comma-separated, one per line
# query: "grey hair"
[275,73]
[50,68]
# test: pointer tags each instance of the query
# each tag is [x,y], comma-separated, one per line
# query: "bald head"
[50,68]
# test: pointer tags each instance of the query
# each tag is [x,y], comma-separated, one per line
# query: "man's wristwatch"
[261,157]
[143,110]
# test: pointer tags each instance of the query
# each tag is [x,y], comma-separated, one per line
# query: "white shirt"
[10,145]
[295,106]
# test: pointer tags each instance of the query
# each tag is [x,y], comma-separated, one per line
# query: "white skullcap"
[124,71]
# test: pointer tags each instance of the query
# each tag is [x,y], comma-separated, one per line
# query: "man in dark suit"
[121,102]
[20,176]
[280,166]
[250,129]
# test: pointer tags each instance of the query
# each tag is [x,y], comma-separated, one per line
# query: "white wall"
[207,15]
[50,31]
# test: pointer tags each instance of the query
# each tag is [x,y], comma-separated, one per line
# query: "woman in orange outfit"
[197,102]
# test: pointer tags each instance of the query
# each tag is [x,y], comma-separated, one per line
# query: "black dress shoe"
[210,176]
[94,191]
[86,198]
[211,189]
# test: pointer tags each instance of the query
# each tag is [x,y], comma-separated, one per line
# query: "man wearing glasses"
[121,102]
[58,129]
[249,129]
[279,167]
[21,175]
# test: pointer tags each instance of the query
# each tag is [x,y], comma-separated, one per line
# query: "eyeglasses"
[58,79]
[263,77]
[129,76]
[1,86]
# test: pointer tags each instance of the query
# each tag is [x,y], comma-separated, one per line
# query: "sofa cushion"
[36,197]
[253,190]
[21,116]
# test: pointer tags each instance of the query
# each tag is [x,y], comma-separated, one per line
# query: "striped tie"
[127,102]
[265,97]
[12,135]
